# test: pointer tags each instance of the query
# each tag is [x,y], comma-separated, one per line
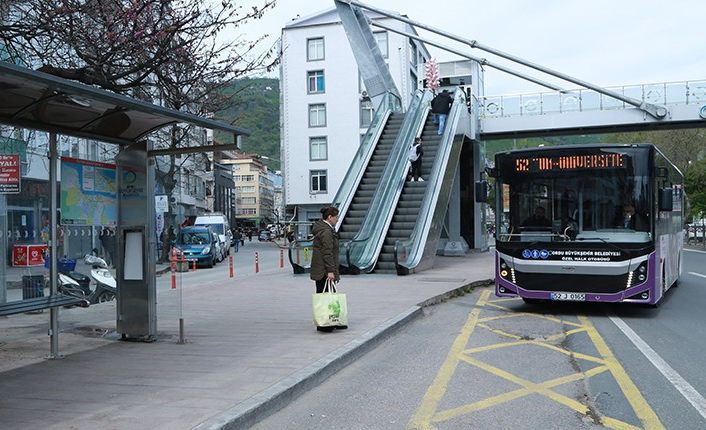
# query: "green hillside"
[254,107]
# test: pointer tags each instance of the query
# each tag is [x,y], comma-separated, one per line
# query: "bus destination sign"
[570,162]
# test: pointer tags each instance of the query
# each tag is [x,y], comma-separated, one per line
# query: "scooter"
[106,286]
[70,287]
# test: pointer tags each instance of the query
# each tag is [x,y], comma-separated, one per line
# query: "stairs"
[407,209]
[371,178]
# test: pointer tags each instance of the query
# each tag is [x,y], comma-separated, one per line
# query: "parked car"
[197,243]
[265,235]
[219,224]
[220,251]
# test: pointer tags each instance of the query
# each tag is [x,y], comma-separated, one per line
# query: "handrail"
[356,170]
[409,253]
[362,251]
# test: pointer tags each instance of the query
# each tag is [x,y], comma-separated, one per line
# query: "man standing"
[440,107]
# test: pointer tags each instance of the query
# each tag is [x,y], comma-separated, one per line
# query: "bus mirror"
[662,172]
[482,191]
[666,203]
[492,172]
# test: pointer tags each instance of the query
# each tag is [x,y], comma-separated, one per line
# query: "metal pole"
[53,205]
[482,61]
[3,248]
[654,110]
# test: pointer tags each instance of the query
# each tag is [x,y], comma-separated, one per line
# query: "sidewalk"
[251,347]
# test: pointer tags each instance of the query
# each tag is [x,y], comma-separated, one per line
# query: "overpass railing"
[580,100]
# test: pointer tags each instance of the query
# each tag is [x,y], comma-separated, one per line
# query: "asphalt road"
[481,362]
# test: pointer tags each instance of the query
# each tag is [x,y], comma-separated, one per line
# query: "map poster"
[88,193]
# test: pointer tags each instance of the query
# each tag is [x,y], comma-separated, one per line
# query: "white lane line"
[694,250]
[697,274]
[697,400]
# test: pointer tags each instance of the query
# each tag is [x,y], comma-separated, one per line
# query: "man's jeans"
[442,123]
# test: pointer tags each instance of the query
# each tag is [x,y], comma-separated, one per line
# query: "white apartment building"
[323,113]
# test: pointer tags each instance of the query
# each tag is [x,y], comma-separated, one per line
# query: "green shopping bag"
[330,309]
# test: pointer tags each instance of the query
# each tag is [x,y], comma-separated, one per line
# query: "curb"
[258,407]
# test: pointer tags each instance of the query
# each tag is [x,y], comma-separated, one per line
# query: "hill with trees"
[255,107]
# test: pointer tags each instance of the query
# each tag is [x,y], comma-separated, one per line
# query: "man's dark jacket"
[441,104]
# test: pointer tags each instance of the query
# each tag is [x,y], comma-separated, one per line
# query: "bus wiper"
[604,241]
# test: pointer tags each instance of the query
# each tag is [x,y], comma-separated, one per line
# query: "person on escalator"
[415,157]
[440,107]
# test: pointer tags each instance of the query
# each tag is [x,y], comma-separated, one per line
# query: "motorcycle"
[106,286]
[78,285]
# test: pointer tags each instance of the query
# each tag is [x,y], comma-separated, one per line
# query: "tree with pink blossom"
[431,74]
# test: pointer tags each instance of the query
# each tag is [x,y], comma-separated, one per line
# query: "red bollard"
[193,267]
[257,263]
[173,266]
[230,263]
[281,258]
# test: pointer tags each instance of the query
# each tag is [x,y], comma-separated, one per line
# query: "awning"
[40,101]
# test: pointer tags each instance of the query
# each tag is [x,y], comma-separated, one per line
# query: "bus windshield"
[610,205]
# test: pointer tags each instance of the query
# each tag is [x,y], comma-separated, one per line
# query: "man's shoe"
[421,180]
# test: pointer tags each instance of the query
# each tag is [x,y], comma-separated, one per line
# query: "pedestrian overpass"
[388,225]
[585,111]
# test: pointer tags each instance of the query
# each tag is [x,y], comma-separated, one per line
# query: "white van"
[220,225]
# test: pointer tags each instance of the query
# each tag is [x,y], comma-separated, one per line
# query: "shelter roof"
[40,101]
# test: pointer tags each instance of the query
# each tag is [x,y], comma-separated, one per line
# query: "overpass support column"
[455,245]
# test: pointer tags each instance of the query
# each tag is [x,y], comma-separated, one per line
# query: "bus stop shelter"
[42,102]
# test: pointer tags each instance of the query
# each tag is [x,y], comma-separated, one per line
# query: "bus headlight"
[639,275]
[507,272]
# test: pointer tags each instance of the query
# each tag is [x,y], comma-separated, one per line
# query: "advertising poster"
[10,174]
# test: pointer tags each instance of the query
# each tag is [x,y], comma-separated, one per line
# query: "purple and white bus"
[598,223]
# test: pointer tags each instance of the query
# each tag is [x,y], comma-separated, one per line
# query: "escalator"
[360,204]
[405,217]
[402,227]
[359,253]
[414,249]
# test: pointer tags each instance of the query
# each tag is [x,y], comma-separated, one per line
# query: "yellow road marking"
[642,409]
[512,395]
[428,414]
[525,314]
[422,419]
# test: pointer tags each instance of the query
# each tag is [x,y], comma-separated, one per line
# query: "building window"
[366,113]
[247,211]
[315,49]
[381,39]
[318,148]
[317,115]
[246,189]
[248,200]
[315,81]
[244,178]
[317,181]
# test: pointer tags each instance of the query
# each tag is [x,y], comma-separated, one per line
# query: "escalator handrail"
[356,170]
[420,232]
[372,232]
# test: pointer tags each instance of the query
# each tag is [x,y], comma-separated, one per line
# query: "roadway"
[478,361]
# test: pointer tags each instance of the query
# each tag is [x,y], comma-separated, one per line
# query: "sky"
[603,42]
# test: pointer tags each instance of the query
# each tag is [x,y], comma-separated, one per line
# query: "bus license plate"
[571,297]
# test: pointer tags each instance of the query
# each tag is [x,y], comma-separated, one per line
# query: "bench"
[40,303]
